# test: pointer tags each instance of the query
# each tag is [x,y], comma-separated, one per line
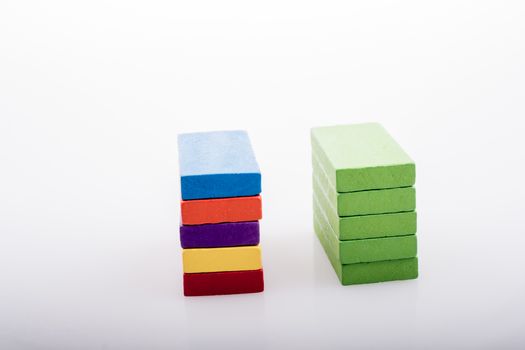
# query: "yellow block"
[221,259]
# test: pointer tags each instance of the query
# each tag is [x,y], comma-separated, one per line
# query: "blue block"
[217,164]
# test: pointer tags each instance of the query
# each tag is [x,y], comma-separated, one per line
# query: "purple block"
[230,234]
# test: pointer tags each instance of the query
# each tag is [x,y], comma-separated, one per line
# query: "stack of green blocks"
[364,203]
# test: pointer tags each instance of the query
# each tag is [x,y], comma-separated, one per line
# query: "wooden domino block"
[211,211]
[362,157]
[218,283]
[219,235]
[221,259]
[217,164]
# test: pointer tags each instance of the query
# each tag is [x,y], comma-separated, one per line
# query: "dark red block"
[229,282]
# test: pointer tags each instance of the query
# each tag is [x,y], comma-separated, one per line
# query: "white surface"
[92,95]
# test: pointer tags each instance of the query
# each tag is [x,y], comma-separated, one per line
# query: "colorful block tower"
[220,213]
[364,203]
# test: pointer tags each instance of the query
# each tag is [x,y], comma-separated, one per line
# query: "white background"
[93,94]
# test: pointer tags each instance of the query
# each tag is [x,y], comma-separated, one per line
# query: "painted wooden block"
[217,164]
[362,157]
[219,283]
[219,235]
[196,260]
[212,211]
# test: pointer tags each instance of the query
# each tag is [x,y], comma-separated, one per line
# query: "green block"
[362,157]
[366,226]
[392,200]
[380,271]
[365,250]
[370,272]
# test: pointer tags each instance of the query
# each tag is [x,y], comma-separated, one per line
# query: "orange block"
[213,211]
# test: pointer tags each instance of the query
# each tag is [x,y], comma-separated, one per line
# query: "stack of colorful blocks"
[364,203]
[220,213]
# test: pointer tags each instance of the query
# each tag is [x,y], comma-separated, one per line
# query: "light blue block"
[217,164]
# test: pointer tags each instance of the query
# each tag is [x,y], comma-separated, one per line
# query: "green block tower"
[364,203]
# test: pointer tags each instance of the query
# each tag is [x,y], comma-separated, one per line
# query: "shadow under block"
[366,226]
[369,272]
[219,235]
[217,164]
[212,211]
[392,200]
[362,157]
[366,250]
[219,283]
[221,259]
